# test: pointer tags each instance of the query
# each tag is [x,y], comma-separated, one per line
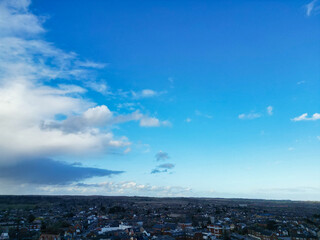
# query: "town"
[99,217]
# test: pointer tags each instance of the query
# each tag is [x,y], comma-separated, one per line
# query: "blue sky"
[161,98]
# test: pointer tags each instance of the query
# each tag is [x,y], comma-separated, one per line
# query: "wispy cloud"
[312,8]
[99,86]
[253,115]
[127,188]
[15,19]
[249,116]
[304,117]
[198,113]
[171,81]
[301,82]
[90,64]
[131,106]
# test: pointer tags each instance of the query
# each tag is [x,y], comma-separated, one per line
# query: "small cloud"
[270,110]
[304,117]
[144,120]
[198,113]
[159,171]
[162,168]
[127,150]
[290,148]
[90,64]
[100,87]
[146,93]
[301,82]
[166,166]
[155,171]
[312,8]
[166,123]
[69,89]
[249,116]
[318,137]
[153,122]
[149,122]
[188,120]
[171,80]
[162,156]
[128,105]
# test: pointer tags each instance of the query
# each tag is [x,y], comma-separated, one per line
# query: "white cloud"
[15,19]
[166,123]
[127,188]
[311,8]
[144,120]
[270,110]
[171,81]
[304,117]
[127,150]
[149,122]
[153,122]
[98,115]
[188,120]
[30,99]
[127,105]
[90,64]
[146,93]
[100,87]
[249,116]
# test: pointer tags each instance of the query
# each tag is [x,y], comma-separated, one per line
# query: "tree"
[31,218]
[103,209]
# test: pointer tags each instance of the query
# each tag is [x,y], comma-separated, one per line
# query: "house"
[262,234]
[4,236]
[216,230]
[49,237]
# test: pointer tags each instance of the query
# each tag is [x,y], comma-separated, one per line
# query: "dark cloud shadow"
[154,171]
[162,156]
[163,168]
[50,172]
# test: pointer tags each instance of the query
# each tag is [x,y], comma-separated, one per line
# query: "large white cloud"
[31,97]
